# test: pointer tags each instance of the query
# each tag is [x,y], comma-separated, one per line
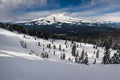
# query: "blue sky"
[13,10]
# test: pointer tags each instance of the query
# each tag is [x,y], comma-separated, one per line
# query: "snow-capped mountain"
[60,18]
[54,18]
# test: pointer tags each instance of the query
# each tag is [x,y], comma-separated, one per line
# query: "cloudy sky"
[15,10]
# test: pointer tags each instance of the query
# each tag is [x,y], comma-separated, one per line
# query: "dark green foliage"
[54,52]
[82,56]
[23,44]
[115,59]
[93,35]
[38,43]
[54,47]
[73,52]
[97,54]
[66,46]
[62,56]
[65,42]
[94,61]
[44,55]
[86,60]
[49,46]
[43,49]
[60,47]
[106,58]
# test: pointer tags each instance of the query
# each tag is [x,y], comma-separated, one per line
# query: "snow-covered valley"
[18,63]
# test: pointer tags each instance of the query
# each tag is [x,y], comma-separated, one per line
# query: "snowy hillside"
[20,59]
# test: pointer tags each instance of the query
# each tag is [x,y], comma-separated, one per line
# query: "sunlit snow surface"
[17,64]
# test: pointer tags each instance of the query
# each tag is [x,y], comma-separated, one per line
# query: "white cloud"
[7,7]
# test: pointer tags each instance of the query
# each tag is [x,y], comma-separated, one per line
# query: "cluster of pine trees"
[23,44]
[83,58]
[106,39]
[107,59]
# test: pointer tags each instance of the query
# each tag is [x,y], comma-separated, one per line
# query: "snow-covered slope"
[10,41]
[17,64]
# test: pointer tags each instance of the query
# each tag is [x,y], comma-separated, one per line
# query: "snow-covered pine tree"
[82,57]
[54,47]
[49,46]
[54,52]
[62,56]
[46,55]
[43,49]
[38,43]
[60,47]
[94,61]
[115,59]
[65,42]
[97,54]
[23,44]
[86,59]
[73,52]
[66,45]
[94,57]
[77,45]
[106,58]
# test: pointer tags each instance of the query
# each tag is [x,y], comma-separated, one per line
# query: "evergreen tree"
[106,58]
[63,50]
[76,59]
[82,56]
[46,55]
[94,46]
[23,44]
[54,52]
[49,45]
[66,46]
[86,59]
[43,49]
[116,58]
[54,47]
[65,42]
[77,45]
[52,42]
[94,61]
[60,47]
[62,56]
[38,43]
[97,54]
[24,36]
[73,50]
[80,44]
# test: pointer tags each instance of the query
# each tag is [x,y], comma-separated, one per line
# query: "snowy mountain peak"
[54,18]
[60,18]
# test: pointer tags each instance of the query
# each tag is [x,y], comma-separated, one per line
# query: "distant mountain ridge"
[60,18]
